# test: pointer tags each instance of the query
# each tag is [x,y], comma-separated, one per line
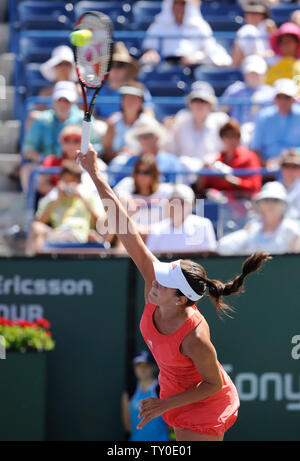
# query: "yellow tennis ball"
[80,37]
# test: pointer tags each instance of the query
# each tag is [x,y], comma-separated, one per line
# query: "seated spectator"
[146,199]
[42,139]
[148,136]
[233,156]
[70,140]
[195,132]
[277,127]
[183,17]
[120,122]
[66,214]
[182,232]
[272,231]
[124,68]
[253,87]
[252,37]
[290,172]
[286,45]
[295,17]
[146,386]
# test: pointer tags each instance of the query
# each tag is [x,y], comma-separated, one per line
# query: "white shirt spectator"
[204,144]
[293,198]
[195,234]
[253,39]
[193,25]
[252,239]
[147,210]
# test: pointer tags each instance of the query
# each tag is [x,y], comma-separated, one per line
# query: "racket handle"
[85,138]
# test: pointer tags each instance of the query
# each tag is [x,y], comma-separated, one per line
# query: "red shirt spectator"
[233,157]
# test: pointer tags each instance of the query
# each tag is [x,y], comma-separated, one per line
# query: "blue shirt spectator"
[277,127]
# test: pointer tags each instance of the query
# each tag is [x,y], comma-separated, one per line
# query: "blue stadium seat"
[34,81]
[281,13]
[168,107]
[165,72]
[220,79]
[221,16]
[44,15]
[143,13]
[119,12]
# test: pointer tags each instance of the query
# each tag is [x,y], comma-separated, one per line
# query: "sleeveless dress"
[213,415]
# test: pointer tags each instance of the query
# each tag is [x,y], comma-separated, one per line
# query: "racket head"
[93,60]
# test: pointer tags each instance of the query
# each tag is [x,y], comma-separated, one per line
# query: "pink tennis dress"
[177,373]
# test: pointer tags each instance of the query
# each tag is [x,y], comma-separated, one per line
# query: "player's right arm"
[124,227]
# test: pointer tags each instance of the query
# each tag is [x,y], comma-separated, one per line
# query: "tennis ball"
[80,37]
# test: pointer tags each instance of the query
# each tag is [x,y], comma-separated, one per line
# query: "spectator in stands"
[147,135]
[252,37]
[195,132]
[124,68]
[146,386]
[145,197]
[70,140]
[42,139]
[253,87]
[277,127]
[67,213]
[286,46]
[120,122]
[272,231]
[182,232]
[233,156]
[183,17]
[290,172]
[295,17]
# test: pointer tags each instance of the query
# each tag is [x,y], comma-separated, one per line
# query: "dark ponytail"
[197,278]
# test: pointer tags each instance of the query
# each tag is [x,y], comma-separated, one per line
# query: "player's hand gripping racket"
[93,42]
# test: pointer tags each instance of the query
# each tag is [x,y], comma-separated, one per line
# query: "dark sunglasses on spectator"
[179,2]
[145,136]
[73,139]
[199,100]
[118,65]
[144,172]
[283,96]
[290,166]
[271,200]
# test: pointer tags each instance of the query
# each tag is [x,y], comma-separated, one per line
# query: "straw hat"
[59,54]
[121,54]
[144,125]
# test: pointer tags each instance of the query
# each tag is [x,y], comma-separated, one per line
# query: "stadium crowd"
[211,177]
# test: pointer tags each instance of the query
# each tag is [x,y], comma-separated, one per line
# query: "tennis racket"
[92,62]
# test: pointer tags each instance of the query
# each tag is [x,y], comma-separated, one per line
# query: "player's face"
[162,296]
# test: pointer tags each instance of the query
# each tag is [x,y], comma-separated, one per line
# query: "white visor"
[170,275]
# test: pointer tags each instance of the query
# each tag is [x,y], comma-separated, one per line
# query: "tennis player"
[197,397]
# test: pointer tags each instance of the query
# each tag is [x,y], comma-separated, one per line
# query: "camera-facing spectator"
[290,172]
[277,127]
[286,46]
[272,231]
[252,37]
[253,87]
[182,232]
[146,386]
[183,17]
[148,136]
[233,156]
[67,214]
[195,131]
[124,68]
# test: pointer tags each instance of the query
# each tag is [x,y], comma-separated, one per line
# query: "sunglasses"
[145,136]
[283,96]
[118,65]
[72,139]
[143,172]
[290,166]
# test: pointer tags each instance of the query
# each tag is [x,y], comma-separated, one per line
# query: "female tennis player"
[197,397]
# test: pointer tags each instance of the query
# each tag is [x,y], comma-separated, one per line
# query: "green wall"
[95,326]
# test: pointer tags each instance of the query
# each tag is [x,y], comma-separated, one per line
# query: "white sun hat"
[272,190]
[65,90]
[59,54]
[170,275]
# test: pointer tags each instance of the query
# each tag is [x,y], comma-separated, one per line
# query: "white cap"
[183,191]
[65,89]
[272,190]
[59,54]
[286,86]
[170,275]
[202,90]
[254,63]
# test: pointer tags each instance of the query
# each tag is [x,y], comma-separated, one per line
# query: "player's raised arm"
[124,227]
